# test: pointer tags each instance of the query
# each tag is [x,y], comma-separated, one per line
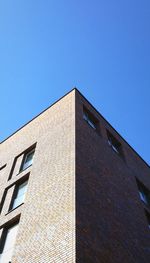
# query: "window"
[27,160]
[114,144]
[148,218]
[90,119]
[7,243]
[143,192]
[19,195]
[22,161]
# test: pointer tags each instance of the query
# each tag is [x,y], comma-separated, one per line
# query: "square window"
[114,144]
[144,193]
[90,119]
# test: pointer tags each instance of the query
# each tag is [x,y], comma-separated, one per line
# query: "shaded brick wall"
[111,226]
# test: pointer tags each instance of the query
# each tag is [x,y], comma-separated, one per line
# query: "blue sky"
[101,46]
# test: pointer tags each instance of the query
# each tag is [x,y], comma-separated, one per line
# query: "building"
[72,190]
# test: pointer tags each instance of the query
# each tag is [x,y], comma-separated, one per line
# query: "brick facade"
[110,222]
[47,222]
[82,202]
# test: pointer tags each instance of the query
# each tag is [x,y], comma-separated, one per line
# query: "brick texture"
[110,222]
[82,202]
[47,223]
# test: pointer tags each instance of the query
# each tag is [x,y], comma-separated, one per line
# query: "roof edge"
[113,128]
[1,142]
[75,88]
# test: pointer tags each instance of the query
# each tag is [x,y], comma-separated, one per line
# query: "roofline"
[37,116]
[91,106]
[113,128]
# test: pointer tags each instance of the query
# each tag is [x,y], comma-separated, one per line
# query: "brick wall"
[47,223]
[74,163]
[111,226]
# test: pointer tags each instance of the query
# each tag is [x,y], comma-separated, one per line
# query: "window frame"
[90,119]
[144,192]
[6,228]
[14,195]
[115,144]
[32,147]
[25,155]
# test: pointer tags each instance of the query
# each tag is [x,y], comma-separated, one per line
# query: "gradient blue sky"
[101,46]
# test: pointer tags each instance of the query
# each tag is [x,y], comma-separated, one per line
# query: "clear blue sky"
[101,46]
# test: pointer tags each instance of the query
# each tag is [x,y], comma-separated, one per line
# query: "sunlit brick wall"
[47,223]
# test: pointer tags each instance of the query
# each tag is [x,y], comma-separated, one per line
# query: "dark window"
[90,119]
[143,192]
[114,144]
[148,218]
[7,243]
[19,195]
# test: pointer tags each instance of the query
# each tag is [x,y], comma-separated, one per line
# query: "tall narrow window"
[27,160]
[143,192]
[89,118]
[114,144]
[7,243]
[19,195]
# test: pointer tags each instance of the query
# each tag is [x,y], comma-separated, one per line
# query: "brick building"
[72,190]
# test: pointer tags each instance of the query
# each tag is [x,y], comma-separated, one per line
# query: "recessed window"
[27,160]
[148,218]
[22,161]
[19,195]
[7,243]
[114,144]
[143,192]
[90,119]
